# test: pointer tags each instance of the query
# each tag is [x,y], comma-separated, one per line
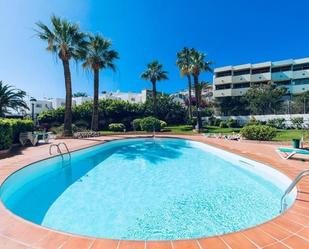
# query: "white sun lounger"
[287,153]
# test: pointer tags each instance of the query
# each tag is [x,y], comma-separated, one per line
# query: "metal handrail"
[59,150]
[66,147]
[290,188]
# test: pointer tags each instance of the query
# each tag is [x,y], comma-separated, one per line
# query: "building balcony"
[301,74]
[297,89]
[241,78]
[239,91]
[261,77]
[223,80]
[281,76]
[222,93]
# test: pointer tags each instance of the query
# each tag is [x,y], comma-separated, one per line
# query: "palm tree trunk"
[154,97]
[68,99]
[190,96]
[95,114]
[197,94]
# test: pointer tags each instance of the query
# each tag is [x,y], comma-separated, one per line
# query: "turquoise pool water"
[145,189]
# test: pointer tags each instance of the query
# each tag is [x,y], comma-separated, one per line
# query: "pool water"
[145,189]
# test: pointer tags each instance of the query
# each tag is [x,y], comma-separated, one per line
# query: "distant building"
[236,80]
[127,96]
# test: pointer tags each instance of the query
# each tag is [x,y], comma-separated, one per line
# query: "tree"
[65,40]
[184,62]
[99,56]
[11,98]
[154,73]
[300,103]
[265,98]
[198,65]
[80,94]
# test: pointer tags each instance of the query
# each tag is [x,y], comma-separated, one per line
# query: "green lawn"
[288,135]
[180,129]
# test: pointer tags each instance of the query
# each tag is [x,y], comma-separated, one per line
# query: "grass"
[288,135]
[216,129]
[180,129]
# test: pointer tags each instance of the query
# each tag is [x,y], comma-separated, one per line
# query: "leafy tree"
[154,73]
[300,103]
[232,106]
[168,110]
[265,99]
[11,98]
[99,56]
[65,40]
[184,63]
[198,65]
[80,94]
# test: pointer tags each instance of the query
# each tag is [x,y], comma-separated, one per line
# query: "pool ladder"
[290,188]
[59,149]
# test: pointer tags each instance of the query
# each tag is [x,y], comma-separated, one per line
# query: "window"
[223,86]
[38,106]
[241,72]
[301,81]
[300,67]
[241,85]
[222,74]
[281,69]
[260,70]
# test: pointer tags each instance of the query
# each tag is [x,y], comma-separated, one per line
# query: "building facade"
[131,97]
[236,80]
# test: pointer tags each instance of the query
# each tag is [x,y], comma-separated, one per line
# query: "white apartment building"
[126,96]
[236,80]
[182,96]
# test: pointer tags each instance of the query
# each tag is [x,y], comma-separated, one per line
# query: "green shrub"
[163,124]
[223,124]
[136,124]
[297,122]
[217,122]
[116,127]
[6,135]
[82,124]
[278,123]
[58,130]
[231,123]
[258,132]
[150,124]
[18,126]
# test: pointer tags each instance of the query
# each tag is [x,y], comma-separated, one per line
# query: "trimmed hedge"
[17,126]
[258,132]
[6,135]
[136,124]
[116,127]
[150,124]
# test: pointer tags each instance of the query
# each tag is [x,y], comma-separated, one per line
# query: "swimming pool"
[147,189]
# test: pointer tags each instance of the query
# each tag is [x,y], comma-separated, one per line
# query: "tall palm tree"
[184,62]
[198,65]
[66,41]
[154,73]
[99,56]
[11,98]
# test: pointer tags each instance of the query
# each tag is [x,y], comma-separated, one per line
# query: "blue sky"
[229,32]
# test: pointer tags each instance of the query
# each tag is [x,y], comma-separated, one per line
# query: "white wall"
[287,117]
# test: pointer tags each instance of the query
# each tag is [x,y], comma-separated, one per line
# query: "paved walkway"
[290,230]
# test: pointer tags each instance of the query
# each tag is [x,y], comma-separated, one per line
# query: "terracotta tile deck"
[290,230]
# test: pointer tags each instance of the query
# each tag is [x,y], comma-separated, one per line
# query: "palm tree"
[198,65]
[66,41]
[11,98]
[99,56]
[154,73]
[184,63]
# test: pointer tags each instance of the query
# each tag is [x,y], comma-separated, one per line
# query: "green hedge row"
[10,129]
